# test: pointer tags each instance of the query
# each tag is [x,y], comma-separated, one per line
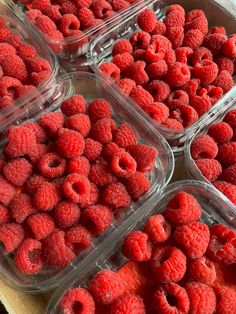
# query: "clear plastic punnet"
[214,210]
[191,169]
[91,87]
[101,51]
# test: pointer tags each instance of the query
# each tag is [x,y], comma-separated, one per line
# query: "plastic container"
[215,210]
[90,86]
[31,37]
[192,170]
[101,49]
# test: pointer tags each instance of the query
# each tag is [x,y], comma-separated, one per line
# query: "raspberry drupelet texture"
[158,229]
[78,238]
[225,299]
[21,207]
[71,144]
[115,196]
[137,185]
[122,46]
[41,225]
[141,96]
[126,85]
[99,109]
[92,150]
[210,168]
[178,74]
[102,130]
[159,89]
[73,105]
[123,165]
[7,191]
[221,132]
[110,70]
[204,147]
[52,165]
[229,174]
[51,122]
[17,171]
[203,270]
[46,197]
[76,187]
[11,235]
[66,214]
[79,165]
[79,122]
[227,153]
[5,216]
[228,189]
[147,20]
[125,136]
[100,173]
[128,303]
[157,111]
[144,156]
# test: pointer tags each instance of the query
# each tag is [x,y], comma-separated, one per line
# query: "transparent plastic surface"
[90,86]
[192,171]
[101,50]
[30,37]
[214,209]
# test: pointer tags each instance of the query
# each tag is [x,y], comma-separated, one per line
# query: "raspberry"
[226,300]
[21,207]
[214,43]
[186,115]
[33,14]
[92,198]
[170,57]
[11,235]
[7,86]
[37,152]
[115,196]
[178,74]
[147,20]
[5,51]
[229,174]
[26,52]
[229,48]
[173,124]
[5,101]
[183,54]
[221,132]
[157,69]
[168,292]
[73,105]
[41,225]
[53,12]
[199,22]
[201,297]
[41,4]
[5,216]
[137,185]
[79,122]
[102,130]
[193,39]
[119,5]
[100,8]
[201,104]
[140,40]
[222,244]
[51,122]
[174,19]
[76,187]
[157,111]
[159,29]
[15,67]
[45,24]
[206,71]
[79,165]
[175,36]
[78,239]
[52,165]
[128,303]
[77,298]
[111,149]
[122,46]
[210,168]
[177,99]
[68,24]
[227,153]
[23,90]
[92,150]
[66,214]
[70,144]
[138,74]
[38,78]
[141,96]
[224,80]
[193,14]
[217,30]
[201,54]
[38,64]
[84,15]
[213,92]
[160,90]
[123,165]
[125,136]
[183,208]
[157,229]
[110,70]
[230,118]
[4,34]
[46,197]
[227,189]
[126,85]
[55,253]
[144,155]
[139,54]
[226,64]
[99,109]
[69,7]
[156,51]
[17,171]
[100,173]
[7,191]
[202,270]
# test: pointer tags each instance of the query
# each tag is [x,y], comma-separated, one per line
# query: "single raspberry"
[79,165]
[21,207]
[41,4]
[213,92]
[178,74]
[203,270]
[201,54]
[229,174]
[225,300]
[98,109]
[46,197]
[5,216]
[119,5]
[123,165]
[121,46]
[159,29]
[85,15]
[201,297]
[174,8]
[175,36]
[141,96]
[230,118]
[100,173]
[199,22]
[183,54]
[183,208]
[41,225]
[140,40]
[124,61]
[157,69]
[97,219]
[6,50]
[79,122]
[7,191]
[193,39]
[128,303]
[111,149]
[177,99]
[229,190]
[156,51]
[4,33]
[69,7]
[160,90]
[77,298]
[78,239]
[92,198]
[55,253]
[53,12]
[37,152]
[68,24]
[157,111]
[193,14]
[139,54]
[157,229]
[71,144]
[52,165]
[15,67]
[174,19]
[224,80]
[125,136]
[170,57]
[92,150]
[226,64]
[221,132]
[38,78]
[206,71]
[115,196]
[144,155]
[126,85]
[76,187]
[26,52]
[38,130]
[166,293]
[110,70]
[38,64]
[45,24]
[137,73]
[11,235]
[8,87]
[100,8]
[227,153]
[51,122]
[173,124]
[33,15]
[201,104]
[73,105]
[137,185]
[217,30]
[229,48]
[204,147]
[210,168]
[214,42]
[17,171]
[147,20]
[186,115]
[66,214]
[168,263]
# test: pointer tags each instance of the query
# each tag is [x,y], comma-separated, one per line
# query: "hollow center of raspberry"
[35,256]
[54,163]
[78,187]
[77,308]
[164,258]
[90,224]
[172,300]
[123,164]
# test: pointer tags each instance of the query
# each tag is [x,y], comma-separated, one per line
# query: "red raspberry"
[125,136]
[191,87]
[159,29]
[100,8]
[37,152]
[174,19]
[183,54]
[9,85]
[45,24]
[141,96]
[79,122]
[229,174]
[77,298]
[5,216]
[175,36]
[41,4]
[15,67]
[186,115]
[226,64]
[119,5]
[70,144]
[100,173]
[38,78]
[38,64]
[51,122]
[73,105]
[92,198]
[98,109]
[84,15]
[79,165]
[203,270]
[126,85]
[111,149]
[230,118]
[123,165]
[193,39]
[21,207]
[66,214]
[68,24]
[170,57]
[206,71]
[4,34]
[97,219]
[156,51]
[229,48]
[137,185]
[201,104]
[55,253]
[210,168]
[76,187]
[53,12]
[11,235]
[115,196]
[199,22]
[17,171]
[110,70]
[144,155]
[224,80]
[157,229]
[106,287]
[46,197]
[217,30]
[140,40]
[5,51]
[178,74]
[92,150]
[157,111]
[177,99]
[229,190]
[7,191]
[147,20]
[138,74]
[128,303]
[38,130]
[173,124]
[227,153]
[202,298]
[183,208]
[174,8]
[52,165]
[121,46]
[193,14]
[26,52]
[226,300]
[168,263]
[166,293]
[33,15]
[222,244]
[213,92]
[157,69]
[221,132]
[102,129]
[214,42]
[204,147]
[41,225]
[201,54]
[160,90]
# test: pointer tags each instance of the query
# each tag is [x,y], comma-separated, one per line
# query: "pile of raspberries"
[21,68]
[59,19]
[214,154]
[176,257]
[175,70]
[63,179]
